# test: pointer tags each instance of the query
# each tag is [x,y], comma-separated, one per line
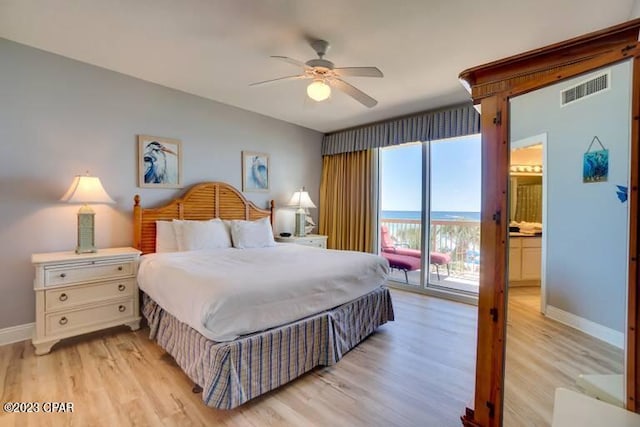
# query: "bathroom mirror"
[525,181]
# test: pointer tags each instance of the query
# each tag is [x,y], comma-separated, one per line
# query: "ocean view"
[437,215]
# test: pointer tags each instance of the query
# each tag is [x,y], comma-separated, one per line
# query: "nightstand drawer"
[60,323]
[81,272]
[314,240]
[56,299]
[318,243]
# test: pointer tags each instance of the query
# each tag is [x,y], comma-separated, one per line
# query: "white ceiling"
[215,48]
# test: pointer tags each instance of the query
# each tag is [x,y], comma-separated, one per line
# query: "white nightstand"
[80,293]
[315,240]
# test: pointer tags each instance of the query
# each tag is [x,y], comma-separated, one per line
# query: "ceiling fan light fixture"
[327,77]
[318,90]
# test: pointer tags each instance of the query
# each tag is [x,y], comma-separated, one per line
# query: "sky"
[455,176]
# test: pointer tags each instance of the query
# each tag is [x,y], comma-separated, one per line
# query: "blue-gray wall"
[587,226]
[60,118]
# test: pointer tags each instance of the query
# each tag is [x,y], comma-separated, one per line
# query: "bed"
[235,360]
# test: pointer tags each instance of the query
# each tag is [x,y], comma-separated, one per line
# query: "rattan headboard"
[201,202]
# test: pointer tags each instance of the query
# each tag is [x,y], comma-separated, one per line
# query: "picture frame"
[255,171]
[595,166]
[159,162]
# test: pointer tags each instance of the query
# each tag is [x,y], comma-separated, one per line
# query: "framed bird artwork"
[255,171]
[159,162]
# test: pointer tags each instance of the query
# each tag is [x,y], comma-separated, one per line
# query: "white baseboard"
[16,333]
[608,335]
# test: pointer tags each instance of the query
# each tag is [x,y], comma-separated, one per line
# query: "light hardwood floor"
[416,371]
[542,355]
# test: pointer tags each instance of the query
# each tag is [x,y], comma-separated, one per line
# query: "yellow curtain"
[347,213]
[529,203]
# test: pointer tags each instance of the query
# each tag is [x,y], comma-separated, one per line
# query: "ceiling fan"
[325,76]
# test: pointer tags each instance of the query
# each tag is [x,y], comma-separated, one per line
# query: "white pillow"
[194,235]
[165,237]
[252,234]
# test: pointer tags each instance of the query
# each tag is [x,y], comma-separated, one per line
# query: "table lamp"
[86,189]
[302,201]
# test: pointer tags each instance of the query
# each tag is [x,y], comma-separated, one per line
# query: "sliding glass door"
[401,211]
[454,193]
[438,184]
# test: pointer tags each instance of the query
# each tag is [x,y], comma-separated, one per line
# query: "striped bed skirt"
[231,373]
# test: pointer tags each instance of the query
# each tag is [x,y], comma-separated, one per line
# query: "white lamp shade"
[301,199]
[318,90]
[86,189]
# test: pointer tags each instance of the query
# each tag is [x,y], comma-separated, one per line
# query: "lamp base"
[86,231]
[86,250]
[301,223]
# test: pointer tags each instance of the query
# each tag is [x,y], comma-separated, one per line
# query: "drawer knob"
[120,268]
[63,275]
[63,320]
[121,287]
[122,308]
[63,297]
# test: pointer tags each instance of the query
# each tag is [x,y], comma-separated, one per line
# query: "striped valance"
[459,120]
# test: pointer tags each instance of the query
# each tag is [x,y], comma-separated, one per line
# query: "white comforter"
[225,293]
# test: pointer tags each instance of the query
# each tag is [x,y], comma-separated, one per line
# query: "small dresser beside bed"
[241,314]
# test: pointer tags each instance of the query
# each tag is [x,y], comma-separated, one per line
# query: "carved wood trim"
[539,78]
[552,63]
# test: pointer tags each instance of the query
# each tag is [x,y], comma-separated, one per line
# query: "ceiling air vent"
[586,89]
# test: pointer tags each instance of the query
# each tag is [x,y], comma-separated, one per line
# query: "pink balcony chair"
[406,259]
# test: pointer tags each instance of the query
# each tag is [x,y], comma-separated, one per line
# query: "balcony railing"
[458,238]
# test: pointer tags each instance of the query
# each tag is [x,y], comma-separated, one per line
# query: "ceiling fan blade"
[358,72]
[297,77]
[292,61]
[354,92]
